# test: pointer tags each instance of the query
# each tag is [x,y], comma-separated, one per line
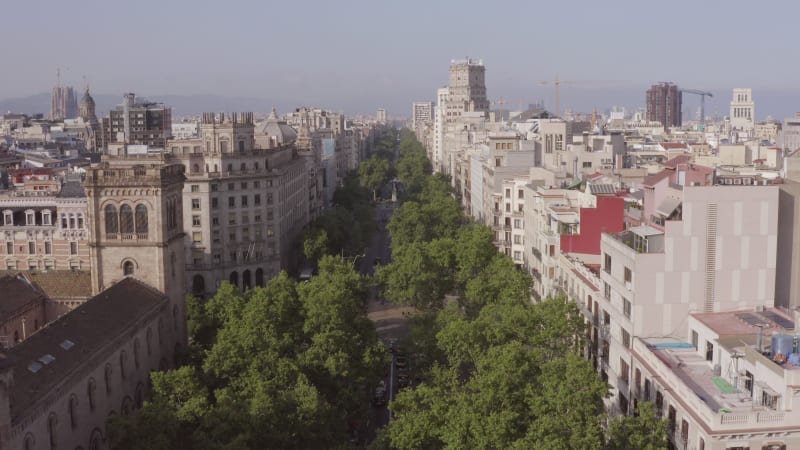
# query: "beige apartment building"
[245,200]
[43,225]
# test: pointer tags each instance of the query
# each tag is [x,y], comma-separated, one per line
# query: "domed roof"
[283,133]
[87,98]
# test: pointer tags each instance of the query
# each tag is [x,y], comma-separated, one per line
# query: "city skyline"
[360,56]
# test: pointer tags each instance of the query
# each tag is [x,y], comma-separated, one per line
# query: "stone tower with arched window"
[136,224]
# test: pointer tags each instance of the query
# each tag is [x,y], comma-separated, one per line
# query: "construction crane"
[558,82]
[703,95]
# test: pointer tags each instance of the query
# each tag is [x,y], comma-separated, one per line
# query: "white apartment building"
[743,110]
[730,383]
[435,154]
[716,251]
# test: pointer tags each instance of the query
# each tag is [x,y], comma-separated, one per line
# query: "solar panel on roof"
[602,189]
[34,367]
[779,319]
[752,319]
[47,359]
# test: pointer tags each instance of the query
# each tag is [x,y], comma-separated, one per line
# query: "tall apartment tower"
[421,113]
[743,109]
[467,89]
[380,115]
[63,103]
[664,104]
[136,225]
[439,121]
[140,122]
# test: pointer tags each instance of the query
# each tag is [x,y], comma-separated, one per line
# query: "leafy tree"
[641,431]
[420,274]
[374,173]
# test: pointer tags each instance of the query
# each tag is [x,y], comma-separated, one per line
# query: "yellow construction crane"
[556,83]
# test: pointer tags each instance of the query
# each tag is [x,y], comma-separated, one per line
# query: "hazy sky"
[358,55]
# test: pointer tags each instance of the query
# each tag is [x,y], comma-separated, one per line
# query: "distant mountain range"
[182,105]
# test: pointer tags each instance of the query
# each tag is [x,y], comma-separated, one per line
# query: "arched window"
[126,219]
[246,279]
[149,341]
[52,427]
[107,376]
[127,268]
[195,168]
[136,353]
[123,361]
[90,388]
[141,219]
[138,396]
[73,411]
[234,278]
[125,409]
[29,443]
[95,440]
[112,220]
[198,285]
[260,277]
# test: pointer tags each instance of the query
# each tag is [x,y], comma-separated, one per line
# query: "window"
[269,198]
[498,162]
[626,307]
[518,224]
[9,248]
[769,399]
[73,248]
[195,203]
[243,167]
[626,338]
[214,203]
[244,184]
[73,411]
[52,426]
[215,221]
[64,223]
[607,263]
[624,370]
[195,221]
[112,221]
[244,200]
[127,268]
[231,185]
[195,188]
[123,361]
[231,202]
[80,221]
[257,199]
[607,290]
[709,351]
[231,218]
[30,219]
[241,146]
[517,256]
[256,184]
[90,389]
[214,187]
[197,237]
[695,339]
[126,219]
[46,218]
[257,218]
[31,248]
[517,240]
[141,219]
[107,376]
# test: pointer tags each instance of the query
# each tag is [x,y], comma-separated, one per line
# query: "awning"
[668,206]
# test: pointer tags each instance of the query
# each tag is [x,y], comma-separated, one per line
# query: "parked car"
[403,381]
[379,396]
[401,360]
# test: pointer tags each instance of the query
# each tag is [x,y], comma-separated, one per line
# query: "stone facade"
[245,200]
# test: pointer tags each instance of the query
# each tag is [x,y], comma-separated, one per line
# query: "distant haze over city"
[358,56]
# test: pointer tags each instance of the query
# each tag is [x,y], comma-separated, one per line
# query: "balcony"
[642,239]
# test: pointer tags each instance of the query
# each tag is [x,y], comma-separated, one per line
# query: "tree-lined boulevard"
[295,364]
